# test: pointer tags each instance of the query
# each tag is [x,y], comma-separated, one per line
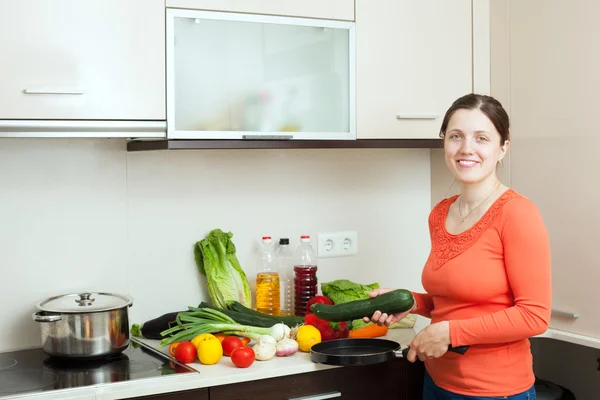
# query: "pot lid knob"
[84,299]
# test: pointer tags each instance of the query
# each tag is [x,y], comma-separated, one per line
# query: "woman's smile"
[467,163]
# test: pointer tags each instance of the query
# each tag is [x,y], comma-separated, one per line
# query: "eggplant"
[151,329]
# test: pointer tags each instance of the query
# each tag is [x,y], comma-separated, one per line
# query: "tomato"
[318,299]
[186,352]
[172,348]
[243,357]
[231,343]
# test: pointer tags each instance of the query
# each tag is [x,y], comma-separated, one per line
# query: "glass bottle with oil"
[267,281]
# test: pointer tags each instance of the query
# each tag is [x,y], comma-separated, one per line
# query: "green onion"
[198,321]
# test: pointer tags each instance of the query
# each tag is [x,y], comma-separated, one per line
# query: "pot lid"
[84,302]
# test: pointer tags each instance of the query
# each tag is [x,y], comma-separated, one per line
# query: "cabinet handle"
[54,90]
[323,396]
[268,137]
[417,116]
[562,313]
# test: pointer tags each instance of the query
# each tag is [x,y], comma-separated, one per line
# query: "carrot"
[245,340]
[369,331]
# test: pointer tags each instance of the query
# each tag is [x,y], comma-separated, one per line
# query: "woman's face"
[472,146]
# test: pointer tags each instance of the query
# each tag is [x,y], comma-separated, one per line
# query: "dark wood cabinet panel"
[385,381]
[196,394]
[415,372]
[394,380]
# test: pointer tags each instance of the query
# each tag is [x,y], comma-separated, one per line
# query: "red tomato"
[242,357]
[318,299]
[230,343]
[186,352]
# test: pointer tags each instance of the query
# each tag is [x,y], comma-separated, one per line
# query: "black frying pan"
[361,351]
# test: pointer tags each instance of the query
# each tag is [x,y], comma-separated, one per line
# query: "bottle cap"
[284,241]
[305,238]
[266,239]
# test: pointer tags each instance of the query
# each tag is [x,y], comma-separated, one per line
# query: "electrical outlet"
[337,244]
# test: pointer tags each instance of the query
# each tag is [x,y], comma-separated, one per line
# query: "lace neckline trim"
[445,245]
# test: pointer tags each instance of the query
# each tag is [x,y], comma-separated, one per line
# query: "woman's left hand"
[431,342]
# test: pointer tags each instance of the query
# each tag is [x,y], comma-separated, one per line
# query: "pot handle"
[37,317]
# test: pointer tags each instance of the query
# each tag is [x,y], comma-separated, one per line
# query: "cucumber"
[396,301]
[289,321]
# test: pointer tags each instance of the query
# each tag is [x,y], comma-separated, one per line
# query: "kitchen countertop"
[222,373]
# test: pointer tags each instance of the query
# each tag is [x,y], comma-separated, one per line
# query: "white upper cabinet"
[246,76]
[82,60]
[325,9]
[414,58]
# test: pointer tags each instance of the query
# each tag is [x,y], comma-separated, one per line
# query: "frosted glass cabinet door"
[242,76]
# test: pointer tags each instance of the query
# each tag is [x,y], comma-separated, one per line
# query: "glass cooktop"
[27,371]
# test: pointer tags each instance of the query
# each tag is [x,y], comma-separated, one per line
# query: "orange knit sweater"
[493,283]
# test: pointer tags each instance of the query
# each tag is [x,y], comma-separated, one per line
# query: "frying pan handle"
[458,349]
[323,396]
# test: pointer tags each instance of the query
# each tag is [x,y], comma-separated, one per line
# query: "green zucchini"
[290,321]
[396,301]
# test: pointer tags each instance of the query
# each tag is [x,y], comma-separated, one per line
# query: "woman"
[488,274]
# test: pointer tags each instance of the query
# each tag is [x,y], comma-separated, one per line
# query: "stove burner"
[6,363]
[24,380]
[73,363]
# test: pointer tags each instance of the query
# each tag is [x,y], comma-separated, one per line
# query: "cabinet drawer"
[346,382]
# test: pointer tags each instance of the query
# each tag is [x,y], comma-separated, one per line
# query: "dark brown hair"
[487,105]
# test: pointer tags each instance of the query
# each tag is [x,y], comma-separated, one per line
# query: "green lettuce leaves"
[216,259]
[343,290]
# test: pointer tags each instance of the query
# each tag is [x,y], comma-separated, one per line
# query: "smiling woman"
[488,274]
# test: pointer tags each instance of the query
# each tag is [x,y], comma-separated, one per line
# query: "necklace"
[462,219]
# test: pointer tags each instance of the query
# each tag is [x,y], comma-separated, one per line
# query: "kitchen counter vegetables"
[216,259]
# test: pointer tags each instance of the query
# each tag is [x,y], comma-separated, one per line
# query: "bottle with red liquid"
[305,275]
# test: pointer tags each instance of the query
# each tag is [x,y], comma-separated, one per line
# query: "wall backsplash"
[86,215]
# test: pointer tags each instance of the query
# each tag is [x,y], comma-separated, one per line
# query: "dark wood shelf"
[147,145]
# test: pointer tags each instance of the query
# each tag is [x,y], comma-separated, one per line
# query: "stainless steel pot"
[84,325]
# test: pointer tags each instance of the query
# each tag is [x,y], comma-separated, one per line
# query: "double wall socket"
[337,244]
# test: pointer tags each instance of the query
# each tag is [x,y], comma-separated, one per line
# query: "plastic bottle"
[305,279]
[284,258]
[267,281]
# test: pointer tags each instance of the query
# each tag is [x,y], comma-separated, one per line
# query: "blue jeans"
[431,391]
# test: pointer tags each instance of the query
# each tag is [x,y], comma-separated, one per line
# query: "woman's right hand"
[380,318]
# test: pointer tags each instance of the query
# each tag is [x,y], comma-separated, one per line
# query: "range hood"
[28,128]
